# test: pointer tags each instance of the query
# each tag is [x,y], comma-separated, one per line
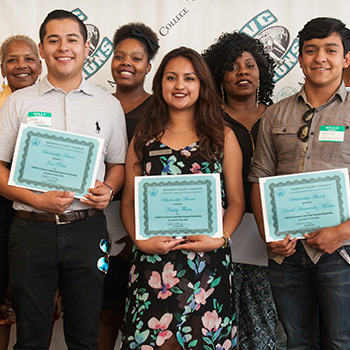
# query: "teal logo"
[153,192]
[276,40]
[99,51]
[35,141]
[280,192]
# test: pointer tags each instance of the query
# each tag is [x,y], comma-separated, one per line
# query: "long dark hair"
[208,113]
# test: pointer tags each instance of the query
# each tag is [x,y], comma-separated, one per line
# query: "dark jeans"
[44,257]
[302,290]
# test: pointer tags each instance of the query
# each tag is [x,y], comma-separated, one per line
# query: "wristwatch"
[111,192]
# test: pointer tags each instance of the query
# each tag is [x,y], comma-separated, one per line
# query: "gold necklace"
[179,132]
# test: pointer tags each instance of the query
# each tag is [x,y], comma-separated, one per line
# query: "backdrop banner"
[191,23]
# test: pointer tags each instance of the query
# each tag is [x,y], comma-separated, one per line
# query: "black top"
[247,141]
[135,116]
[132,118]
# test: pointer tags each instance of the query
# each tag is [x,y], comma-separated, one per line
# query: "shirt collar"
[45,86]
[341,92]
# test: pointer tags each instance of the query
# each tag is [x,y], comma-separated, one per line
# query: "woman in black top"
[135,45]
[243,73]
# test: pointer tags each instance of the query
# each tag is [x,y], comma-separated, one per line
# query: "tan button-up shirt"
[279,151]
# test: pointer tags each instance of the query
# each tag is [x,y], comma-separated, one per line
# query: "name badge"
[161,152]
[331,133]
[39,118]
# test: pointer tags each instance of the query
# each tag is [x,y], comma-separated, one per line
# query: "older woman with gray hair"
[20,67]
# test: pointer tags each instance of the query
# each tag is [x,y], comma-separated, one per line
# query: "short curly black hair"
[221,55]
[127,31]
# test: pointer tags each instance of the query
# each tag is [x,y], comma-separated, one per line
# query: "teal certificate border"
[152,192]
[76,175]
[302,203]
[210,208]
[272,187]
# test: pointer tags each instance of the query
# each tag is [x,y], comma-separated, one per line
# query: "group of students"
[208,113]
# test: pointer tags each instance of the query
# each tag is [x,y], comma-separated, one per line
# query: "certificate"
[47,159]
[302,203]
[178,205]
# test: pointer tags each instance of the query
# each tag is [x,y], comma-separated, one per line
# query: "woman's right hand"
[158,245]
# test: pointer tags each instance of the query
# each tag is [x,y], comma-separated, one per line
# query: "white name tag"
[39,118]
[331,133]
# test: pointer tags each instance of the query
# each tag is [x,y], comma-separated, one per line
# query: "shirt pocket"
[337,153]
[286,141]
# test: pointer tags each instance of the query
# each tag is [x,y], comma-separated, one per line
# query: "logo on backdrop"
[276,41]
[165,29]
[285,92]
[99,52]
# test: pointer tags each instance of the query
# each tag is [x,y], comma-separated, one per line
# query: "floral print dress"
[182,294]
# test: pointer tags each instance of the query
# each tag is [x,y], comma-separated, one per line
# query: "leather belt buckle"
[58,222]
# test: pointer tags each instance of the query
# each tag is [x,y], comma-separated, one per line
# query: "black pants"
[6,215]
[44,257]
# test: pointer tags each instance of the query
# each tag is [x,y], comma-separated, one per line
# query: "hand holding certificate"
[178,205]
[302,203]
[47,159]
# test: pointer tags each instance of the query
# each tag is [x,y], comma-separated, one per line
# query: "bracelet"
[227,239]
[111,192]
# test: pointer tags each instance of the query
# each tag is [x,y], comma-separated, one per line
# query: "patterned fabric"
[7,315]
[182,294]
[256,314]
[4,94]
[256,311]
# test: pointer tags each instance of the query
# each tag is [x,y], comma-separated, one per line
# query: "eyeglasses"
[303,132]
[103,262]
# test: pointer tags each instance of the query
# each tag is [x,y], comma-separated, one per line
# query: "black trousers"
[6,215]
[44,257]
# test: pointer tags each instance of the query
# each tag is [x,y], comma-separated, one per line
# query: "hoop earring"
[222,97]
[257,95]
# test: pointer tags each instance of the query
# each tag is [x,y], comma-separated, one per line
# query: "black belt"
[64,218]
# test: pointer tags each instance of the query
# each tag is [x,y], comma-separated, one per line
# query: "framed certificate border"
[178,205]
[76,174]
[302,203]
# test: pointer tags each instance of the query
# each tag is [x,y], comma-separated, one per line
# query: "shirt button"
[312,133]
[308,157]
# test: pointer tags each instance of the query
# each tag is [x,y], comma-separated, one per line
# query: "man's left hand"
[98,197]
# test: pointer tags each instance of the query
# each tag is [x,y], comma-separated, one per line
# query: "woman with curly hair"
[243,74]
[180,290]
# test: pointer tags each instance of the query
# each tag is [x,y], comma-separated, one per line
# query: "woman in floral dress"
[180,290]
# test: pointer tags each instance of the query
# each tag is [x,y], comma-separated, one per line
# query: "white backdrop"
[193,23]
